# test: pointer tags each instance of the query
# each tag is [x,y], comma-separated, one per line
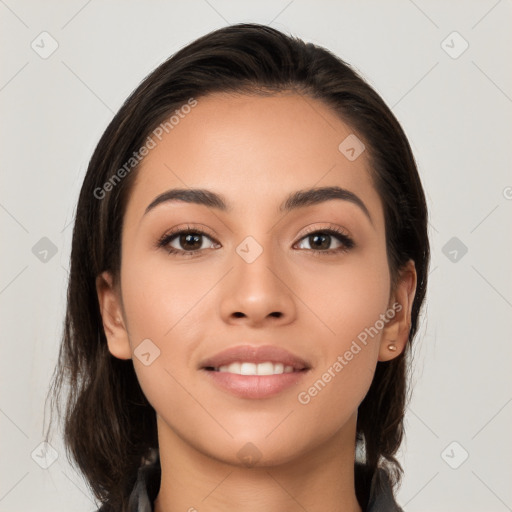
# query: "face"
[311,279]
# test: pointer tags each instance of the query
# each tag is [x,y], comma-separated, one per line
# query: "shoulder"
[145,490]
[374,490]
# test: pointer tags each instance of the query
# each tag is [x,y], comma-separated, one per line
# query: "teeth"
[267,368]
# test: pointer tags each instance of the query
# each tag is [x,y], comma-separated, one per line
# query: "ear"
[396,330]
[111,310]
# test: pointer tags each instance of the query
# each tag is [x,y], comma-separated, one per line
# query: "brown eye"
[321,241]
[190,241]
[185,242]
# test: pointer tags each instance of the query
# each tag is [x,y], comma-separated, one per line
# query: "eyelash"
[342,237]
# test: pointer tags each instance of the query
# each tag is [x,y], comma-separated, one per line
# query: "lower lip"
[255,386]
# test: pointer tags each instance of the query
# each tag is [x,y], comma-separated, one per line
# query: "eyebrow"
[298,199]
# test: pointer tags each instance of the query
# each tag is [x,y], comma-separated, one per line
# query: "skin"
[254,151]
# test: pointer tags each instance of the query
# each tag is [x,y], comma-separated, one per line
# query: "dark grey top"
[374,492]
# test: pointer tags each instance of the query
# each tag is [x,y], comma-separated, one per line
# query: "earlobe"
[395,335]
[389,350]
[112,317]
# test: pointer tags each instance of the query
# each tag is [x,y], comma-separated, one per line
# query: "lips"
[250,372]
[255,355]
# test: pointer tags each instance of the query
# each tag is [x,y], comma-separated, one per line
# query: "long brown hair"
[109,424]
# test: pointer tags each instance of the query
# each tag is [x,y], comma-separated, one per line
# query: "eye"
[186,242]
[320,241]
[190,241]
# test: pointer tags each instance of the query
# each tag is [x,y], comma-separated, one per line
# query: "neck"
[319,480]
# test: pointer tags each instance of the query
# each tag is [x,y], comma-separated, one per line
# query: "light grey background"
[457,113]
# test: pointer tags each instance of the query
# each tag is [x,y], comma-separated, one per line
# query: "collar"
[374,491]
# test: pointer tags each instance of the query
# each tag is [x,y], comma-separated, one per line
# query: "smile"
[246,368]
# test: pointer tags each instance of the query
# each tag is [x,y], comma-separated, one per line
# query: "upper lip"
[252,354]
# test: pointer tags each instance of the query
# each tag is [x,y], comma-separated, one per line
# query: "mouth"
[254,372]
[249,368]
[251,360]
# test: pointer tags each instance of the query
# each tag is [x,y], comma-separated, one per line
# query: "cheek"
[161,297]
[349,301]
[171,304]
[344,299]
[162,303]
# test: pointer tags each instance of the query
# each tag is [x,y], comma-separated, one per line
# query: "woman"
[249,261]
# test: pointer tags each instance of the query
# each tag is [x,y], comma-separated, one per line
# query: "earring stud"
[392,347]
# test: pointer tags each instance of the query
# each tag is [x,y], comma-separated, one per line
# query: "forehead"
[254,150]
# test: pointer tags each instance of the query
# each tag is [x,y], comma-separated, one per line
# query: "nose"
[258,292]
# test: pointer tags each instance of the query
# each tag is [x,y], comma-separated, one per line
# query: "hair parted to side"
[109,426]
